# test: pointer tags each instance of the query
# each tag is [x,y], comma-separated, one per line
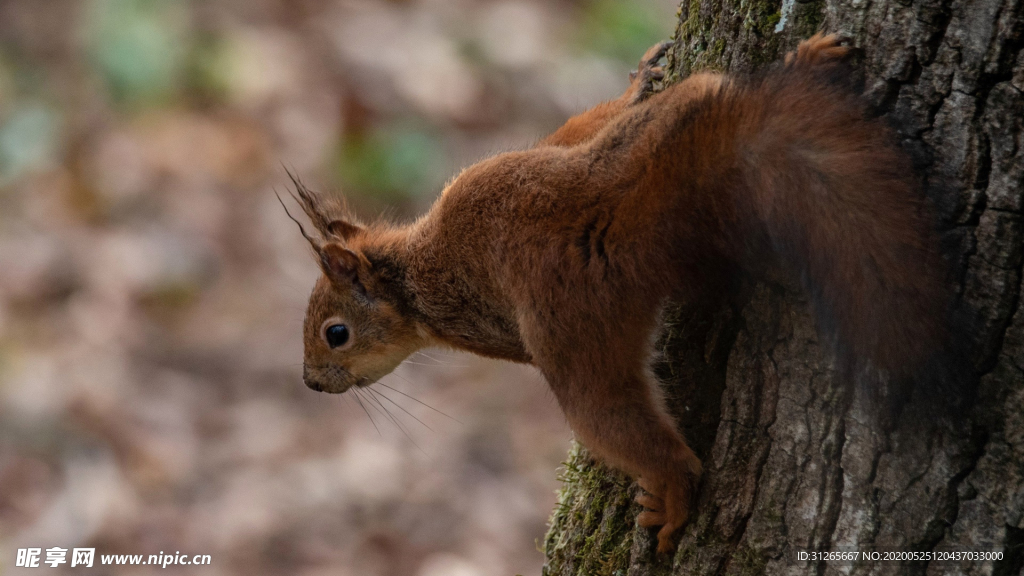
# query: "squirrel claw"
[818,50]
[655,53]
[665,542]
[651,502]
[655,73]
[648,72]
[649,518]
[668,505]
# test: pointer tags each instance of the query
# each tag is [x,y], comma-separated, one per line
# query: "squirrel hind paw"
[650,519]
[666,543]
[648,72]
[654,54]
[818,50]
[651,502]
[668,505]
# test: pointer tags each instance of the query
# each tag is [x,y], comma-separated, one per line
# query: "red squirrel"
[564,255]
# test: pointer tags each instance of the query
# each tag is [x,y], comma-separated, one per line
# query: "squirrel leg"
[621,422]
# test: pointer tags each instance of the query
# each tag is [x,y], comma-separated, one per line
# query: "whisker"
[424,354]
[371,401]
[438,361]
[400,377]
[444,353]
[389,413]
[360,394]
[374,403]
[407,361]
[402,408]
[348,400]
[368,415]
[393,419]
[420,402]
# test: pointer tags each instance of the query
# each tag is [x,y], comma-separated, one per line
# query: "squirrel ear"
[342,229]
[339,264]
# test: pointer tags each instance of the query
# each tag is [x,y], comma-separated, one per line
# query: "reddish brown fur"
[563,255]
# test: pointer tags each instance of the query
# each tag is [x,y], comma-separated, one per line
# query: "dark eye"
[336,335]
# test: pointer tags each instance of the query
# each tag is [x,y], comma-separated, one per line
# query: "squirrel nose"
[310,382]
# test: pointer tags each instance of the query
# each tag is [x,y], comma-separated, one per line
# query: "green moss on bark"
[752,24]
[594,501]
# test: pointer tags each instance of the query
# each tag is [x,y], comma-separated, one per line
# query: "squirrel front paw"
[668,502]
[641,80]
[818,50]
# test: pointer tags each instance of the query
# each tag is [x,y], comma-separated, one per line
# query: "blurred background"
[152,289]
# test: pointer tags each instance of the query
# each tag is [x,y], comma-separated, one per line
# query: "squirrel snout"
[311,382]
[330,378]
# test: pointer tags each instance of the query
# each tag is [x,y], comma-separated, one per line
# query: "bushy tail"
[839,200]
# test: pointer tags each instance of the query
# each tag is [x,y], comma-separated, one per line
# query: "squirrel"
[564,255]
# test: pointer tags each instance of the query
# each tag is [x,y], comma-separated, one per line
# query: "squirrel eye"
[336,335]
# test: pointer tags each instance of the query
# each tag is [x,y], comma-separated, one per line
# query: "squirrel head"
[353,334]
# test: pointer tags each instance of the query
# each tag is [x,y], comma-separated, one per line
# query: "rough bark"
[794,458]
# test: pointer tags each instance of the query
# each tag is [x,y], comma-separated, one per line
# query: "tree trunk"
[795,460]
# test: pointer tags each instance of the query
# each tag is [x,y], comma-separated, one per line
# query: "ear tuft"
[329,216]
[338,263]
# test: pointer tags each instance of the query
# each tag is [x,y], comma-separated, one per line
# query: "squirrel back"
[789,167]
[785,168]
